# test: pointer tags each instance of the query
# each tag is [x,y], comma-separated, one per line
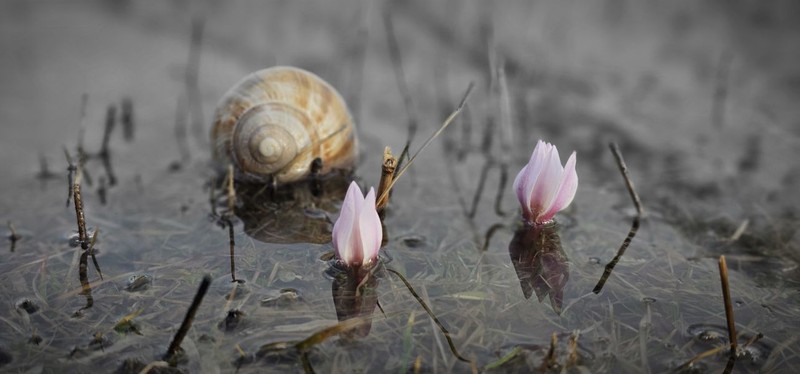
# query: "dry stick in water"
[433,136]
[76,196]
[187,321]
[726,295]
[430,314]
[387,175]
[231,192]
[71,169]
[634,226]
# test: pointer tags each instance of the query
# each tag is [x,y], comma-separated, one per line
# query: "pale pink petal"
[566,189]
[546,184]
[370,228]
[526,179]
[343,228]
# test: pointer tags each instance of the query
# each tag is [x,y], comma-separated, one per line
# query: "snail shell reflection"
[275,122]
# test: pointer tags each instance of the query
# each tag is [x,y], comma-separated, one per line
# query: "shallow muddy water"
[699,97]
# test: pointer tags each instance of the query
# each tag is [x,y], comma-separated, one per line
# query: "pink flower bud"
[543,186]
[357,233]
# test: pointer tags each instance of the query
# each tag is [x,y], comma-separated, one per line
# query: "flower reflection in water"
[355,295]
[540,262]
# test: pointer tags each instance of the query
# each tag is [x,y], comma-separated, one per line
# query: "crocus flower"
[543,186]
[357,233]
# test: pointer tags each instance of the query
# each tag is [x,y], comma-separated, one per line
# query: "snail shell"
[275,122]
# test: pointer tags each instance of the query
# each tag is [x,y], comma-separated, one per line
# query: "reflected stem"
[430,314]
[610,266]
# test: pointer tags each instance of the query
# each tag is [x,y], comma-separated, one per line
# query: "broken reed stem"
[628,183]
[231,192]
[430,139]
[187,321]
[726,295]
[387,175]
[76,196]
[550,360]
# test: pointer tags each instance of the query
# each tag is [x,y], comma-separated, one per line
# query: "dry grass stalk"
[387,175]
[430,139]
[726,295]
[76,196]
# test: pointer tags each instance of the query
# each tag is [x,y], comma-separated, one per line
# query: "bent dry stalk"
[634,225]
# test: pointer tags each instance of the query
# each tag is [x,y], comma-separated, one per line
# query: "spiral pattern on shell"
[275,122]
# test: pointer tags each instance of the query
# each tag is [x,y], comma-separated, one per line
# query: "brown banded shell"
[275,122]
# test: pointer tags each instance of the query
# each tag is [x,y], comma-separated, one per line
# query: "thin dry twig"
[726,295]
[76,196]
[433,136]
[430,314]
[628,182]
[71,169]
[699,357]
[634,225]
[187,321]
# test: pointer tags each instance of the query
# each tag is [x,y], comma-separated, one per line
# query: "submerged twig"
[726,295]
[91,252]
[430,314]
[430,139]
[187,321]
[634,225]
[387,175]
